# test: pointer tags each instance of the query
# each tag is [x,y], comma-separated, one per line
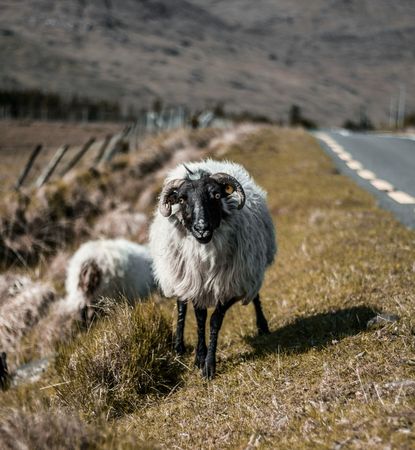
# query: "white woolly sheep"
[113,268]
[211,240]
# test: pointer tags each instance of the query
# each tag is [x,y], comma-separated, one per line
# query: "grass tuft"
[120,364]
[57,429]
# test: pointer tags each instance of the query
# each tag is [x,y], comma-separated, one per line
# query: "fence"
[147,123]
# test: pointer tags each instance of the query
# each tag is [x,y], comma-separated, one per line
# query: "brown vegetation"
[23,303]
[119,364]
[18,139]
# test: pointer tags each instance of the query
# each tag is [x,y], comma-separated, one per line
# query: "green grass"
[321,379]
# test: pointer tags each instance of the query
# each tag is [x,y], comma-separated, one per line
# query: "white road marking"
[382,185]
[366,174]
[344,132]
[354,165]
[402,197]
[345,156]
[338,149]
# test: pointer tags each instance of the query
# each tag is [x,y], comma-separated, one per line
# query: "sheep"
[211,239]
[110,268]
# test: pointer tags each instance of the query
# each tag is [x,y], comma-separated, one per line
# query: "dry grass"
[322,379]
[23,303]
[120,364]
[57,429]
[19,137]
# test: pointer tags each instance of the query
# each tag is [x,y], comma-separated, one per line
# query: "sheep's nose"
[202,229]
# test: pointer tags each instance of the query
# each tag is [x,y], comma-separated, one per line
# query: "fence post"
[72,163]
[115,146]
[102,149]
[50,168]
[29,164]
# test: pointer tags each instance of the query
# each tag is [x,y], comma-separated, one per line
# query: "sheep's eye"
[181,200]
[217,196]
[229,189]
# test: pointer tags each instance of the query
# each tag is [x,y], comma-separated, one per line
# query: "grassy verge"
[321,379]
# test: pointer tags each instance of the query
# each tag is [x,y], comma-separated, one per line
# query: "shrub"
[119,364]
[297,119]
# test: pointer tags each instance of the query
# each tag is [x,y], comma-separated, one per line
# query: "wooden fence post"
[102,149]
[50,168]
[72,163]
[116,144]
[25,172]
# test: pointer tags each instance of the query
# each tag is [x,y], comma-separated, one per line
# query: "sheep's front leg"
[201,349]
[216,321]
[181,317]
[261,321]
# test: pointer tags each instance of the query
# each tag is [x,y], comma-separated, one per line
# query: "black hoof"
[264,331]
[200,358]
[199,362]
[262,326]
[180,348]
[209,370]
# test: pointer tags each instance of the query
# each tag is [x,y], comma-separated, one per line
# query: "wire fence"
[126,141]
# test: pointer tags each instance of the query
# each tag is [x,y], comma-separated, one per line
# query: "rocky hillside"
[332,57]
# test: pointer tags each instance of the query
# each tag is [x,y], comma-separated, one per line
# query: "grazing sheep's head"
[201,206]
[89,280]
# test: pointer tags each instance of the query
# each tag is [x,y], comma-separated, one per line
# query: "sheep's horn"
[224,178]
[188,170]
[165,200]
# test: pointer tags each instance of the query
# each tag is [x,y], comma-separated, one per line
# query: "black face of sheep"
[200,202]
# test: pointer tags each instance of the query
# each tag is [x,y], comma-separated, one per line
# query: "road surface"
[382,164]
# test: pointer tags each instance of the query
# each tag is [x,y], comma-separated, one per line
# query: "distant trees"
[38,105]
[410,119]
[296,118]
[362,124]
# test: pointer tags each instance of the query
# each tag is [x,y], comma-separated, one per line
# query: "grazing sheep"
[211,240]
[107,268]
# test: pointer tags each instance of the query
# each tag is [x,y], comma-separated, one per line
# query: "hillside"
[330,57]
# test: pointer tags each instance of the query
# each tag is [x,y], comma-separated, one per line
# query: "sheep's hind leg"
[181,317]
[216,321]
[201,349]
[261,321]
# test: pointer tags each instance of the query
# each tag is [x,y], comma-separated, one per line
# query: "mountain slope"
[331,57]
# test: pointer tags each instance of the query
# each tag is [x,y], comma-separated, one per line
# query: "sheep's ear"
[168,196]
[230,185]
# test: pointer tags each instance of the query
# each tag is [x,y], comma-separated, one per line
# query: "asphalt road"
[382,164]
